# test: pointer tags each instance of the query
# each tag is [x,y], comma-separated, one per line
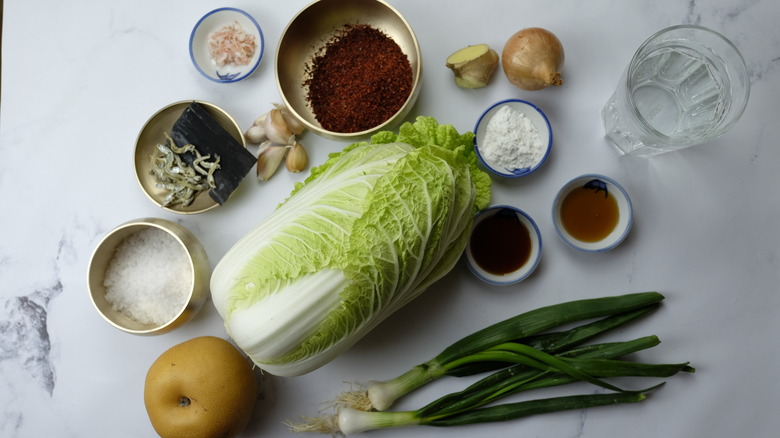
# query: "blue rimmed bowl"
[505,245]
[200,52]
[599,184]
[528,162]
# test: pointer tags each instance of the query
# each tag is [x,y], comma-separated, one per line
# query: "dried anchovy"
[184,182]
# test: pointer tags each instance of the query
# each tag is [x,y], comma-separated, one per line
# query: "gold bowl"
[153,133]
[316,25]
[104,253]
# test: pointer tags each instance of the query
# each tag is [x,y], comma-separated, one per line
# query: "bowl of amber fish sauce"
[592,213]
[505,245]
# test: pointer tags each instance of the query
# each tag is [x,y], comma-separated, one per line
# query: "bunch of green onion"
[518,354]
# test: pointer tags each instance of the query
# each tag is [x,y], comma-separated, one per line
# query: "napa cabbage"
[363,235]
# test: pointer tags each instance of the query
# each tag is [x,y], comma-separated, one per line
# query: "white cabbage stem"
[279,322]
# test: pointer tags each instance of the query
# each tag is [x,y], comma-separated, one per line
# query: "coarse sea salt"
[511,141]
[149,277]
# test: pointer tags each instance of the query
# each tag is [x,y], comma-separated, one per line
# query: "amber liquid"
[501,244]
[588,214]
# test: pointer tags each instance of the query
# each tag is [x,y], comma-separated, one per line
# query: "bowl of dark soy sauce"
[505,245]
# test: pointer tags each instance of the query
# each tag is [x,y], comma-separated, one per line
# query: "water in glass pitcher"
[678,91]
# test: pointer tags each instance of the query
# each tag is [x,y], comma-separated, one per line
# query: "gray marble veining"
[24,335]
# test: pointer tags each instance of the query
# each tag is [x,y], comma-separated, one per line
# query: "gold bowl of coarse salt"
[513,138]
[149,276]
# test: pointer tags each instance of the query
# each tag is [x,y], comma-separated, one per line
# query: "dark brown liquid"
[501,244]
[588,214]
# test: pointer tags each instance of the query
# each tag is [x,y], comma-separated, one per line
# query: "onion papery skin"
[533,58]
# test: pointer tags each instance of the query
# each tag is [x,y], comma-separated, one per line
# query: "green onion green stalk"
[465,357]
[520,357]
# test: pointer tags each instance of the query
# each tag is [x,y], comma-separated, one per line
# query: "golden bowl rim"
[401,113]
[234,126]
[199,263]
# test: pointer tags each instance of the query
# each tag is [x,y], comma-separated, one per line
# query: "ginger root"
[473,66]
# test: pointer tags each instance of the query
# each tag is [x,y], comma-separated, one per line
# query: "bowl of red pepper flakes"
[349,68]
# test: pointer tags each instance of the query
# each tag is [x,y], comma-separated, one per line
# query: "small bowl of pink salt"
[513,138]
[226,45]
[149,276]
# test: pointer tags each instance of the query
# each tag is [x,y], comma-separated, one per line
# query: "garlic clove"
[260,120]
[268,161]
[295,126]
[255,134]
[297,158]
[276,128]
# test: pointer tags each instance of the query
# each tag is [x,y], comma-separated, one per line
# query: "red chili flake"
[359,80]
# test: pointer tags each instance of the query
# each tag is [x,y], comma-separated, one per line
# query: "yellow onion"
[532,59]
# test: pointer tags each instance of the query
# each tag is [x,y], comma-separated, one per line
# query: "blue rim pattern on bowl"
[514,173]
[618,239]
[225,78]
[528,268]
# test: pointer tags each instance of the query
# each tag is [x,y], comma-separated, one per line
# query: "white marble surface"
[79,79]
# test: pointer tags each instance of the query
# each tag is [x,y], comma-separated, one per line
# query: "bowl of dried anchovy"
[180,176]
[348,68]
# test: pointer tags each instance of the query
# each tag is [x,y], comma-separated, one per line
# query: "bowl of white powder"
[149,276]
[513,138]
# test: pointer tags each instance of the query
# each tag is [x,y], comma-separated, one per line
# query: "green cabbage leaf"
[363,235]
